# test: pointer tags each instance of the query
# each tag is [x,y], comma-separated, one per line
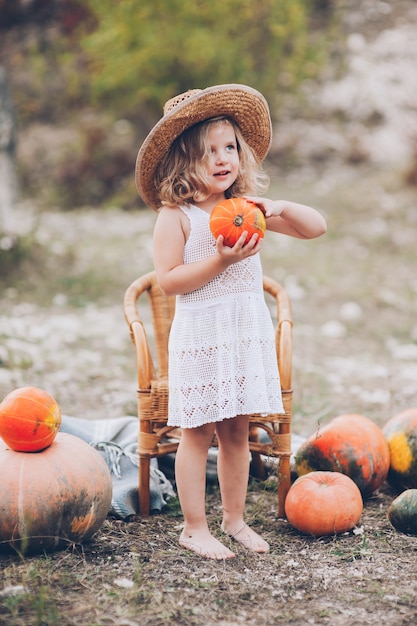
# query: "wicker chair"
[155,437]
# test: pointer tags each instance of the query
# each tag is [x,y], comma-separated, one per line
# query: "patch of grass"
[359,550]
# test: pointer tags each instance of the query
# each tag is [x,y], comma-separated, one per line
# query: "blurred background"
[81,84]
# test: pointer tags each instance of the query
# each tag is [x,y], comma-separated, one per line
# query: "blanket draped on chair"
[117,441]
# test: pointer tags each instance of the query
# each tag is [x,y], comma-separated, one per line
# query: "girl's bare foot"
[204,544]
[248,538]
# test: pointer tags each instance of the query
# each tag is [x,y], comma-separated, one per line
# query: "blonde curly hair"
[181,176]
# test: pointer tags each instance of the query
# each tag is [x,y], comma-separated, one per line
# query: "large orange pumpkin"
[29,419]
[351,444]
[54,497]
[401,434]
[232,217]
[323,503]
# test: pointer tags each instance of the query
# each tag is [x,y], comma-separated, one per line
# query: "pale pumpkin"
[51,498]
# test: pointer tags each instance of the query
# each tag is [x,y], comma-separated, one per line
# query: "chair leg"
[257,468]
[284,483]
[144,488]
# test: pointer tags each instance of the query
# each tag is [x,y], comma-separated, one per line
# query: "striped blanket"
[116,440]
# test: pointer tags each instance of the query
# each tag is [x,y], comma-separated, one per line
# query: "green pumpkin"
[402,512]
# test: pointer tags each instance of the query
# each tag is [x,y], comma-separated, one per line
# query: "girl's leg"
[233,471]
[190,474]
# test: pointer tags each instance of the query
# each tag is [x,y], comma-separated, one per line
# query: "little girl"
[222,361]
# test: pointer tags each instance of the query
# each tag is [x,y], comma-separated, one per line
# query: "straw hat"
[243,104]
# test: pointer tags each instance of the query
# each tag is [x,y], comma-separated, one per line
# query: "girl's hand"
[240,250]
[291,218]
[268,207]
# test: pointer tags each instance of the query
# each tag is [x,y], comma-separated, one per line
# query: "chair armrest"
[145,365]
[283,331]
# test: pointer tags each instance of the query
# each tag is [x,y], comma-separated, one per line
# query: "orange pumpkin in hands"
[29,419]
[232,217]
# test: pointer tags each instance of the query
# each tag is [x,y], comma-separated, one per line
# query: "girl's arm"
[175,277]
[291,218]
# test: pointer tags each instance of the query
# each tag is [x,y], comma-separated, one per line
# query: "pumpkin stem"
[238,220]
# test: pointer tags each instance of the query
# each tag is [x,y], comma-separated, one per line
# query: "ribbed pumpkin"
[54,497]
[29,419]
[402,512]
[351,444]
[232,217]
[401,434]
[323,503]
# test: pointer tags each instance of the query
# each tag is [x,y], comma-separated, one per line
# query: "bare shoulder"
[169,213]
[167,217]
[171,220]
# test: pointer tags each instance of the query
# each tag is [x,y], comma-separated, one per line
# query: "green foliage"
[48,77]
[142,53]
[14,251]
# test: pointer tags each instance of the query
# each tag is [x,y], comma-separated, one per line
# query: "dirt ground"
[354,302]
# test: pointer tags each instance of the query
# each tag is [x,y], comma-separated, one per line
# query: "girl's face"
[223,161]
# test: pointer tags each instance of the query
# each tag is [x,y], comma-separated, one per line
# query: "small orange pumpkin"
[323,503]
[232,217]
[54,497]
[29,419]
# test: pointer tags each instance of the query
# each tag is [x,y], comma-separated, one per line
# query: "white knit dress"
[222,357]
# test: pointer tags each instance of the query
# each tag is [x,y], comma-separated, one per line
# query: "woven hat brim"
[245,105]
